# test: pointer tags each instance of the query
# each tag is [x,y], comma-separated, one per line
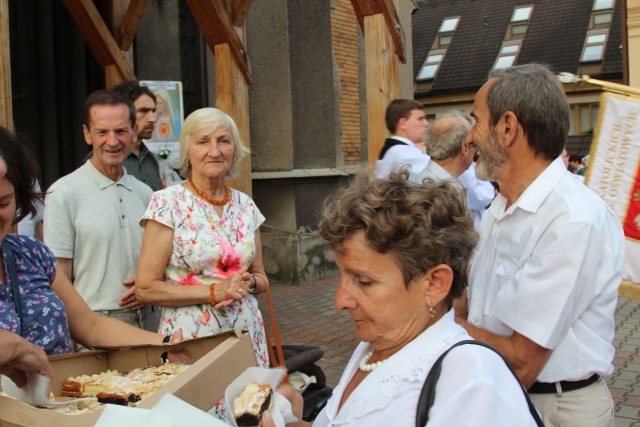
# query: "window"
[583,118]
[507,49]
[519,22]
[594,47]
[521,14]
[431,65]
[602,4]
[507,56]
[602,18]
[449,25]
[505,61]
[435,57]
[445,40]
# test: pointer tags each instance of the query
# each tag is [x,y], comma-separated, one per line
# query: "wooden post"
[232,93]
[6,107]
[633,41]
[382,79]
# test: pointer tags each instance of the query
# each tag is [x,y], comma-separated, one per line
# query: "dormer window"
[431,65]
[602,4]
[512,43]
[594,46]
[445,33]
[521,14]
[449,25]
[519,22]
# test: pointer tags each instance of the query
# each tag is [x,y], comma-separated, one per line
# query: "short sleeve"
[160,209]
[59,230]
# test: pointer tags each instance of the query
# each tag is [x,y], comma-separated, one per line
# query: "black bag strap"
[428,394]
[13,278]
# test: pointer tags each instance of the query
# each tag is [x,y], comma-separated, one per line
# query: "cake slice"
[252,402]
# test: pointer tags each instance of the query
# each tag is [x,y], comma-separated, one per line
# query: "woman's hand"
[181,355]
[297,404]
[232,288]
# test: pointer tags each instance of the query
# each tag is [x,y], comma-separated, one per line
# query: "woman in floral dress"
[201,257]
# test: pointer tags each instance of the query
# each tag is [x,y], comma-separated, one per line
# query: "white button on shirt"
[549,268]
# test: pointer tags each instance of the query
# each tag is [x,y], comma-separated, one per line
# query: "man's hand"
[18,356]
[128,299]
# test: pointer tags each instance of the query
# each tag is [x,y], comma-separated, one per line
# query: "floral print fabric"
[44,317]
[206,249]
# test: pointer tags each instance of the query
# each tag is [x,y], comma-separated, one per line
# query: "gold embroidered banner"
[613,171]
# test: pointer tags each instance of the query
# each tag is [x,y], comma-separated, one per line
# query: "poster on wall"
[614,170]
[169,116]
[169,113]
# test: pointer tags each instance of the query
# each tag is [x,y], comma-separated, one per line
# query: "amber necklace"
[214,202]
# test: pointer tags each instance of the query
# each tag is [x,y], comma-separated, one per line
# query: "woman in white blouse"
[403,251]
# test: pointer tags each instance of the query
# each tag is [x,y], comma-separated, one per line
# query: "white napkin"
[168,412]
[281,412]
[36,392]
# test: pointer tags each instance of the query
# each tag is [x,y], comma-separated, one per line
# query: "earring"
[188,162]
[432,311]
[234,159]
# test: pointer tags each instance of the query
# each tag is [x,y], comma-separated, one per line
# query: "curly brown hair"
[420,225]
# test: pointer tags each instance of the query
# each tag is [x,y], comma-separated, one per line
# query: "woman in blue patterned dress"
[50,313]
[201,258]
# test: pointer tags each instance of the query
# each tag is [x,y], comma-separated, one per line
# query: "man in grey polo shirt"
[141,163]
[91,215]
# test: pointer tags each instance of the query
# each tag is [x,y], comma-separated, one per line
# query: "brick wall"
[344,35]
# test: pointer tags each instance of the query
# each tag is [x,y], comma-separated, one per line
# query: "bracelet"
[255,283]
[212,295]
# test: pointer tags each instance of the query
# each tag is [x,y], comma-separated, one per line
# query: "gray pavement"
[305,316]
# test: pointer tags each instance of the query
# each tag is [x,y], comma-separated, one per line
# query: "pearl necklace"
[227,195]
[368,367]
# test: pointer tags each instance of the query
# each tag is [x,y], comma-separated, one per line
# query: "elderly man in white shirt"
[543,299]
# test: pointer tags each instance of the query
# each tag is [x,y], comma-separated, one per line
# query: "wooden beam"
[130,23]
[214,21]
[363,8]
[6,106]
[382,80]
[240,10]
[232,92]
[98,38]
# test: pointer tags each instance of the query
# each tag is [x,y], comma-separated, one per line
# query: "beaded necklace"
[227,195]
[368,367]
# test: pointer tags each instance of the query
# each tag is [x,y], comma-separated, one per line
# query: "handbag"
[428,394]
[13,278]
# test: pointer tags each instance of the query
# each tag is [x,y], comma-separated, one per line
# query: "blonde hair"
[205,121]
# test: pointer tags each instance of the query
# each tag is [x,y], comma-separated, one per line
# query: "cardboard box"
[216,362]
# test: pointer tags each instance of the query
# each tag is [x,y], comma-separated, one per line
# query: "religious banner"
[613,171]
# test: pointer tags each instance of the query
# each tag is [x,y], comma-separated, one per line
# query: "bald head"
[446,136]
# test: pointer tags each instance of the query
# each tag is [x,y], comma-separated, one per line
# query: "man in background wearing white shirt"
[543,299]
[408,126]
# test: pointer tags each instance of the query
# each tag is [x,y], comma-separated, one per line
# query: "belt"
[550,388]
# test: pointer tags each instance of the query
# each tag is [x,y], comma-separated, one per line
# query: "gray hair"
[536,96]
[447,134]
[205,121]
[419,225]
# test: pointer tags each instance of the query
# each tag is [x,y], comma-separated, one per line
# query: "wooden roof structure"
[222,25]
